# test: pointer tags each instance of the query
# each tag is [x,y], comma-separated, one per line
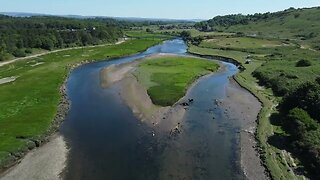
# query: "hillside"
[302,25]
[281,52]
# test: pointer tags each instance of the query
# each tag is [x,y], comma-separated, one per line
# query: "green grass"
[195,33]
[144,34]
[287,26]
[167,78]
[29,104]
[239,43]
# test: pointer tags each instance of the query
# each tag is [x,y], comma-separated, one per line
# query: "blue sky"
[178,9]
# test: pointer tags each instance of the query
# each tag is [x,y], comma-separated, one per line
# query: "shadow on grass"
[279,141]
[276,119]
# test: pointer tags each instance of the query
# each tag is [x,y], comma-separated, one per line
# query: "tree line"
[19,35]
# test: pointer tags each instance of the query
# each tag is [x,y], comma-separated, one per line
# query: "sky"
[172,9]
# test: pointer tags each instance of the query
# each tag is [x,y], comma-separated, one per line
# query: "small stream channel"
[108,142]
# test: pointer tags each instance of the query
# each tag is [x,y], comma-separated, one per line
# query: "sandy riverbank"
[240,104]
[162,119]
[46,162]
[51,148]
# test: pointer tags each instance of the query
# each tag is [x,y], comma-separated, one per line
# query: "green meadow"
[239,43]
[168,78]
[29,104]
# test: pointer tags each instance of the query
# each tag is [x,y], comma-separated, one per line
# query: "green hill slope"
[301,25]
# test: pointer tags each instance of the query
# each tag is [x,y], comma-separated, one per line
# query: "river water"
[108,142]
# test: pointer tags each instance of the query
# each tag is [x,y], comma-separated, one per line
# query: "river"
[108,142]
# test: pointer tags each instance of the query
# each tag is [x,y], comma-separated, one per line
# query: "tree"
[186,35]
[2,51]
[318,79]
[148,30]
[20,33]
[306,97]
[47,44]
[298,122]
[19,53]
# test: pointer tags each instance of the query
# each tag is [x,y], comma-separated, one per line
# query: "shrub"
[303,63]
[306,97]
[19,53]
[186,35]
[149,30]
[28,51]
[305,138]
[298,122]
[318,79]
[2,57]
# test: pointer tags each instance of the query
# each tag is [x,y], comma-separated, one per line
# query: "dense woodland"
[19,35]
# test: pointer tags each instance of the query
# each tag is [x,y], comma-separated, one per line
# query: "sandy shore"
[46,162]
[240,104]
[162,119]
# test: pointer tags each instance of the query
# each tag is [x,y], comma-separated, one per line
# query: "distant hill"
[134,19]
[302,25]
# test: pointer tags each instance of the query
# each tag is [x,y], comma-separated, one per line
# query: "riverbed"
[105,138]
[107,141]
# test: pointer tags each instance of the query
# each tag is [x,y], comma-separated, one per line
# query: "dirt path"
[46,162]
[58,50]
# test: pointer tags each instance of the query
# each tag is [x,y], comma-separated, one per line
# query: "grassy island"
[167,78]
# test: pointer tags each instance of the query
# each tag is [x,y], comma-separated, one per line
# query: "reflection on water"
[108,142]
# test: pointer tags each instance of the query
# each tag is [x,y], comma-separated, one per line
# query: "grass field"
[29,104]
[301,26]
[167,78]
[144,34]
[279,70]
[194,32]
[239,43]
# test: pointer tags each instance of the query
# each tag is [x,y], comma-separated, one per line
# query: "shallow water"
[108,142]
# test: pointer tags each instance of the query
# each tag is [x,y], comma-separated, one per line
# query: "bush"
[298,122]
[306,97]
[240,34]
[296,15]
[28,51]
[186,35]
[318,79]
[303,63]
[305,138]
[19,53]
[149,30]
[2,57]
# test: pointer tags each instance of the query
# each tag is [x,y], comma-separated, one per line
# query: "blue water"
[108,142]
